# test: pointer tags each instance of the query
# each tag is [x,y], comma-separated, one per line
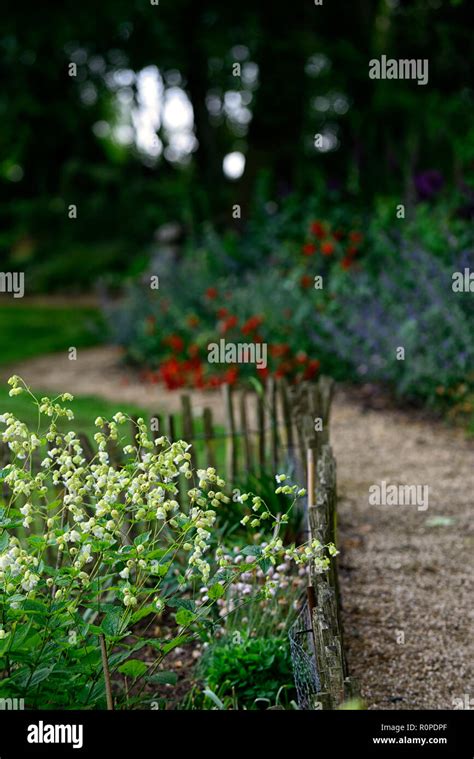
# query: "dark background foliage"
[312,78]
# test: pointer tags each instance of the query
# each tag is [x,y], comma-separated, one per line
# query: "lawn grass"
[31,330]
[87,408]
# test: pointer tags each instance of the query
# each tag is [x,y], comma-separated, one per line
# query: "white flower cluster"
[124,522]
[18,569]
[100,505]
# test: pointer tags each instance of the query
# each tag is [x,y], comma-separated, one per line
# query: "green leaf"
[216,591]
[257,385]
[37,677]
[181,603]
[210,694]
[133,668]
[163,678]
[142,613]
[5,471]
[94,630]
[184,617]
[4,541]
[112,622]
[35,607]
[161,569]
[140,539]
[158,553]
[251,551]
[264,565]
[178,641]
[439,521]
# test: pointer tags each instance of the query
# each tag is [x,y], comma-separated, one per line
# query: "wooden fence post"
[246,442]
[231,450]
[208,437]
[188,426]
[260,432]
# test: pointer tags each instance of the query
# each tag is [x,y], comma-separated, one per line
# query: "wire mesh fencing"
[303,658]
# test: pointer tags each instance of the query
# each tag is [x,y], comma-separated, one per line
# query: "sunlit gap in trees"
[155,115]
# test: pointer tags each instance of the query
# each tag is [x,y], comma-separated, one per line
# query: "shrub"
[251,672]
[204,297]
[409,304]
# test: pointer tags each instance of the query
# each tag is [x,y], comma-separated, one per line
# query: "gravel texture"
[406,574]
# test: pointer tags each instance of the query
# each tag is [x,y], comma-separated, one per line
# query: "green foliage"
[252,672]
[311,81]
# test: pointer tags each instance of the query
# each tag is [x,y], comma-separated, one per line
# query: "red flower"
[301,357]
[352,250]
[311,369]
[279,349]
[327,248]
[171,374]
[318,229]
[222,313]
[306,281]
[309,249]
[175,342]
[338,234]
[193,350]
[211,293]
[251,324]
[263,372]
[228,323]
[283,369]
[193,321]
[356,236]
[231,375]
[346,262]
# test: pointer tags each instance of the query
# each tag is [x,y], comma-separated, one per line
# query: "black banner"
[364,733]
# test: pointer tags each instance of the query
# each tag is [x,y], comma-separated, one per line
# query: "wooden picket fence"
[263,430]
[324,601]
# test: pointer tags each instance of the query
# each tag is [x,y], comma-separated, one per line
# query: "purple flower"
[428,183]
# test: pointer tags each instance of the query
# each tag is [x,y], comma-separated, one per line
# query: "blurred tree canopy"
[112,134]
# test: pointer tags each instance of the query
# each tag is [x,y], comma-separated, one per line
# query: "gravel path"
[406,573]
[99,371]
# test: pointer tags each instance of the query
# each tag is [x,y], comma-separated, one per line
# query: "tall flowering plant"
[88,549]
